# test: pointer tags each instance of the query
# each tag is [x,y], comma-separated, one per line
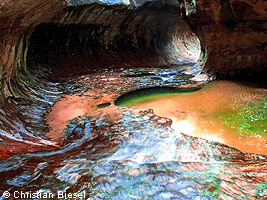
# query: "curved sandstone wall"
[98,36]
[17,21]
[232,36]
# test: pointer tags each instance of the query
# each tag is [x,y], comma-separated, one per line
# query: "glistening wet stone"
[233,113]
[136,155]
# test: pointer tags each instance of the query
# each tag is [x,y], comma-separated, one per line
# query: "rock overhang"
[232,34]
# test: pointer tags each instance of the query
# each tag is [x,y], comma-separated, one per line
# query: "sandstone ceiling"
[232,34]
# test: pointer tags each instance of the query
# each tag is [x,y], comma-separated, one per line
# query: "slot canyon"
[133,99]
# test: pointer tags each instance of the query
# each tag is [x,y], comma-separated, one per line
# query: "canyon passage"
[133,99]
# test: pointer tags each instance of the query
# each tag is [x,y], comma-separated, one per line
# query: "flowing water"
[141,155]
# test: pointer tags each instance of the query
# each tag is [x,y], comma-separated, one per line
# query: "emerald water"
[228,112]
[103,105]
[250,119]
[138,156]
[150,94]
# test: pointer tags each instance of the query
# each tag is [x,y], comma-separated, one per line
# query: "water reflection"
[139,155]
[223,111]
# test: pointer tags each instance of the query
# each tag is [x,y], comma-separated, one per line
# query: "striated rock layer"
[98,36]
[17,21]
[114,152]
[42,37]
[232,36]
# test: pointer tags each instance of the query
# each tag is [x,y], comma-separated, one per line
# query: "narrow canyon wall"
[17,21]
[98,36]
[233,35]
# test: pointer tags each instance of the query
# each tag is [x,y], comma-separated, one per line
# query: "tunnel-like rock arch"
[232,34]
[65,63]
[68,37]
[100,35]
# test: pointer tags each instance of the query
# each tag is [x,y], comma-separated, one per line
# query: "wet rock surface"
[117,152]
[119,36]
[85,93]
[232,36]
[233,113]
[24,122]
[231,33]
[135,154]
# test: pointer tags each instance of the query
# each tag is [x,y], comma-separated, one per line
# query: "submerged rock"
[58,62]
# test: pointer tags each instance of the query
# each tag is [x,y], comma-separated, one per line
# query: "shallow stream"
[229,112]
[112,152]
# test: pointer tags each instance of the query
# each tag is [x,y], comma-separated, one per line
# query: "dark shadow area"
[152,35]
